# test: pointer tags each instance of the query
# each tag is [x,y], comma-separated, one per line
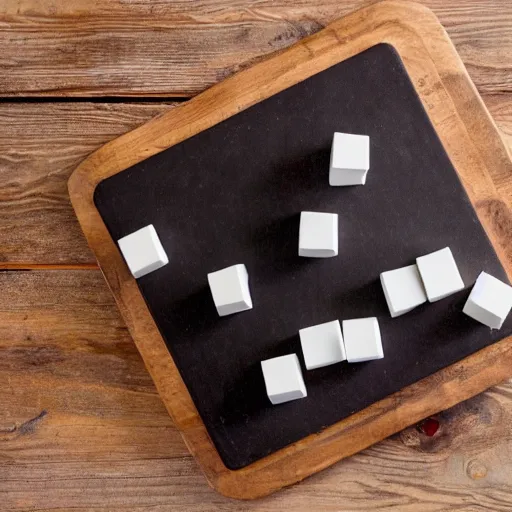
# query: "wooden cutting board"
[472,143]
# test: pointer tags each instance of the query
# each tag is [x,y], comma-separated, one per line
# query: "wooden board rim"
[417,36]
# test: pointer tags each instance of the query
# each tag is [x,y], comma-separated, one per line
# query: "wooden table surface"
[81,425]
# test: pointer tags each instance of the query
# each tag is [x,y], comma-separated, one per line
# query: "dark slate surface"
[233,194]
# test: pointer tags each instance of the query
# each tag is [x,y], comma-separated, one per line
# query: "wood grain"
[81,426]
[37,224]
[470,138]
[69,365]
[35,164]
[179,48]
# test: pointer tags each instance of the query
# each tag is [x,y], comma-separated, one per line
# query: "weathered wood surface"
[81,426]
[180,47]
[40,145]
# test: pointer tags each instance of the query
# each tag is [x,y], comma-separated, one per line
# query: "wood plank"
[471,140]
[179,48]
[68,363]
[37,224]
[81,426]
[40,144]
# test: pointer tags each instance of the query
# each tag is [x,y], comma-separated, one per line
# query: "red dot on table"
[429,427]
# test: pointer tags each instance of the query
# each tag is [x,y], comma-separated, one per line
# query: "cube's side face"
[150,268]
[244,289]
[269,369]
[373,326]
[394,292]
[293,374]
[288,396]
[482,315]
[383,283]
[125,245]
[162,256]
[235,307]
[219,295]
[312,357]
[346,177]
[484,292]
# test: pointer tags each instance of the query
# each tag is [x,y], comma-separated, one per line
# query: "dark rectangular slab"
[233,194]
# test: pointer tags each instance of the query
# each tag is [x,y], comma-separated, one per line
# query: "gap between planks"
[94,99]
[7,267]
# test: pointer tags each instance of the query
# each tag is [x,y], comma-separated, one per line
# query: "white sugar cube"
[362,339]
[283,379]
[490,301]
[322,344]
[143,251]
[230,289]
[403,289]
[439,274]
[318,235]
[350,159]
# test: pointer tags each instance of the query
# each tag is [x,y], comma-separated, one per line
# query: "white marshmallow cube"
[322,345]
[318,235]
[350,159]
[283,379]
[362,340]
[439,274]
[143,251]
[403,289]
[230,289]
[490,301]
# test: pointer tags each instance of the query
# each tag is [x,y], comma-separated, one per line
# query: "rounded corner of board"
[83,181]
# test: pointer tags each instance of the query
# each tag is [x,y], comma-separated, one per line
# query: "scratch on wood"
[27,427]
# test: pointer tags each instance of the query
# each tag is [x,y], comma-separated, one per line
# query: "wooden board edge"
[394,22]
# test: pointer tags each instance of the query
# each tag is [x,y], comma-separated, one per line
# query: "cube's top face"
[282,374]
[318,232]
[230,285]
[492,295]
[403,287]
[322,344]
[363,328]
[142,249]
[362,339]
[350,152]
[321,330]
[439,274]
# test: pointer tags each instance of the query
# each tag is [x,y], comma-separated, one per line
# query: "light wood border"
[471,140]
